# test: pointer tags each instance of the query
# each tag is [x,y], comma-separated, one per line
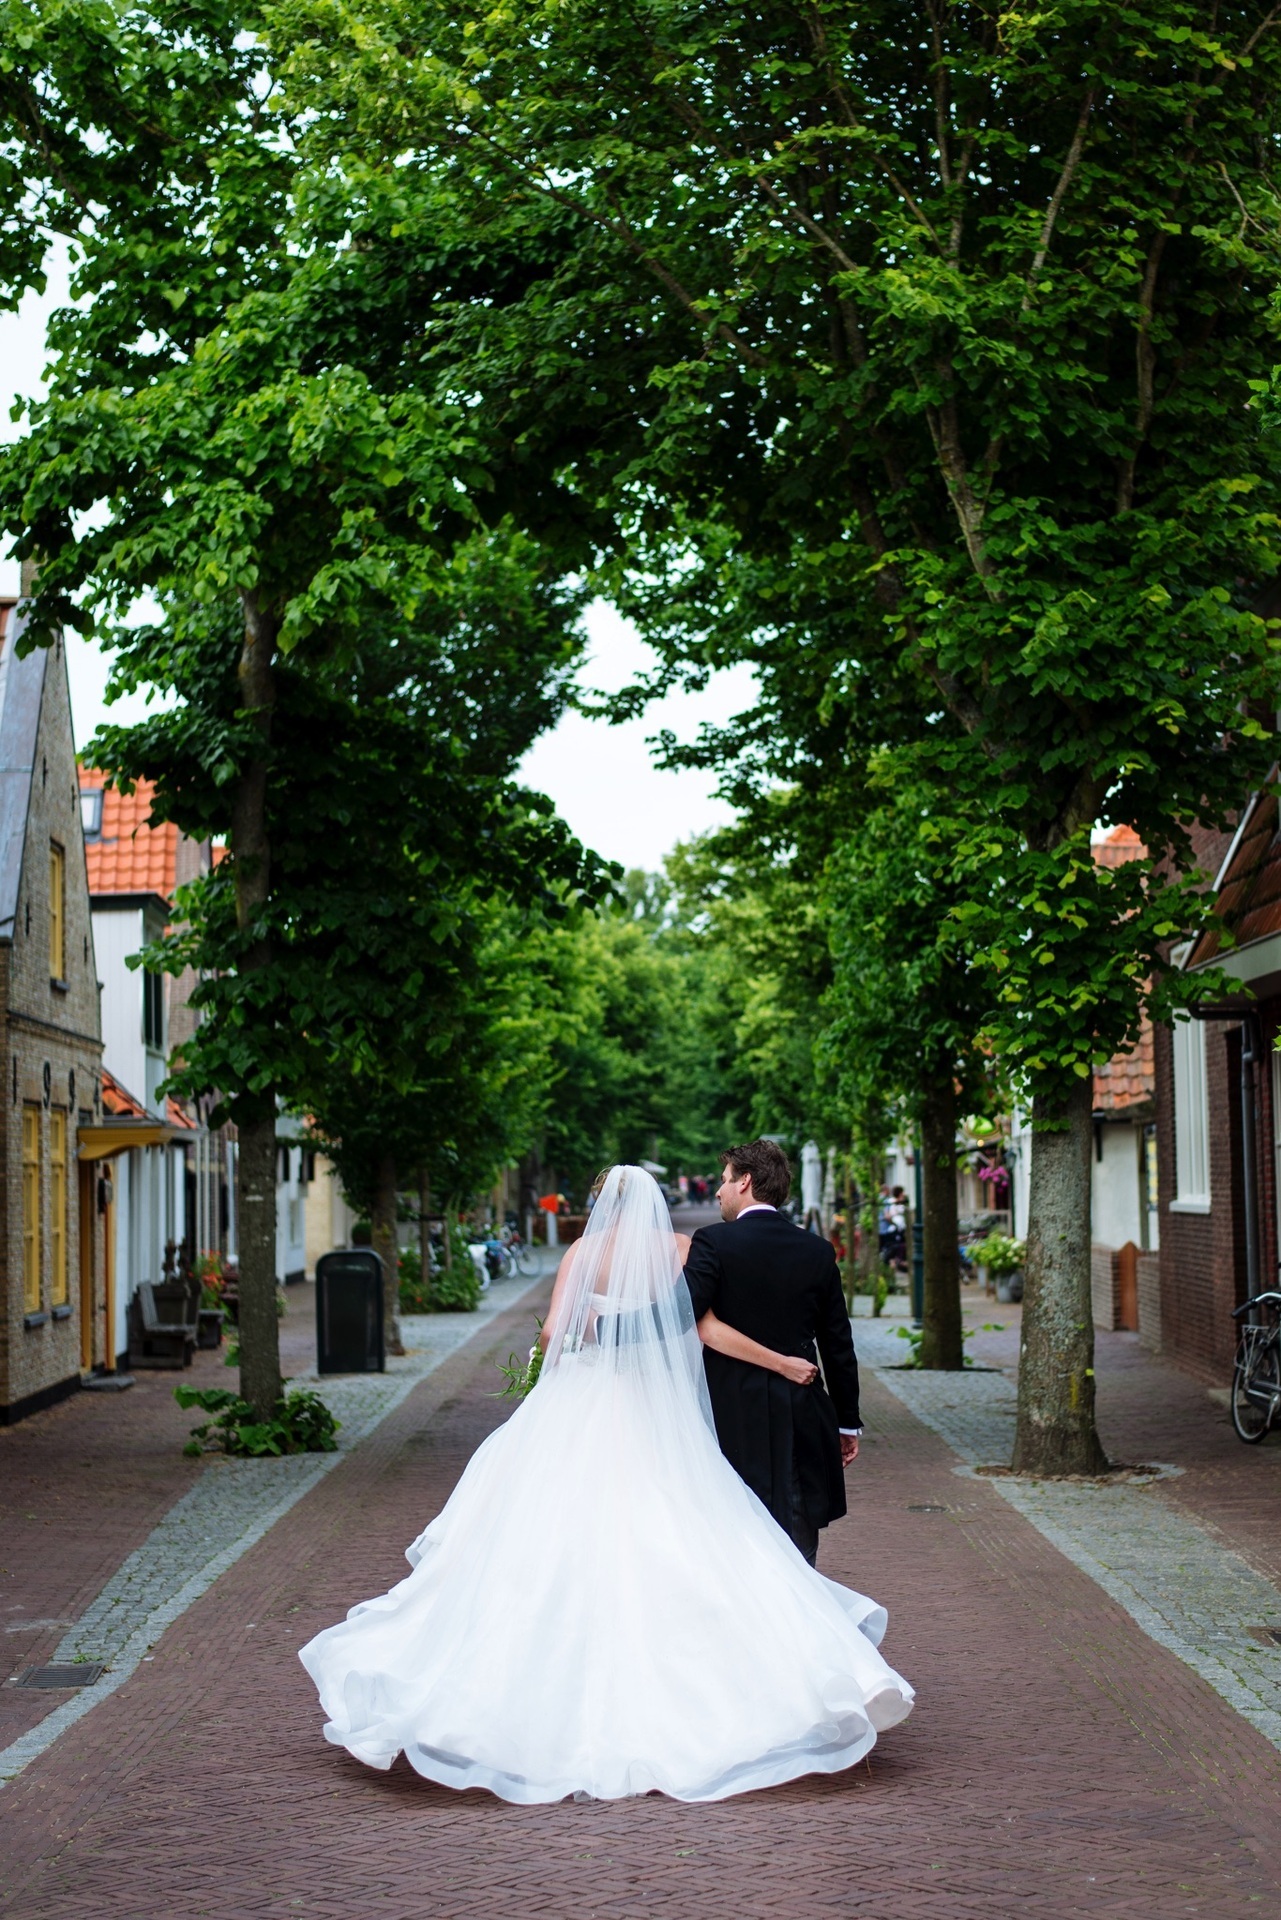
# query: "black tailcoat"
[780,1286]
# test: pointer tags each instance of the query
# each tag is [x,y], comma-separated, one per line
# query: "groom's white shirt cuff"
[763,1206]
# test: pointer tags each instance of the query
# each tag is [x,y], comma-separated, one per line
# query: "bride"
[603,1608]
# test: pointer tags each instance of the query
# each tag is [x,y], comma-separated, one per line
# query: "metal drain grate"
[927,1509]
[1269,1637]
[82,1674]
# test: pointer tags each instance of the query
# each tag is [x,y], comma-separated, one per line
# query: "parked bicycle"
[507,1254]
[1256,1378]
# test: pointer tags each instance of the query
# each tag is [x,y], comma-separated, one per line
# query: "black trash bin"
[349,1312]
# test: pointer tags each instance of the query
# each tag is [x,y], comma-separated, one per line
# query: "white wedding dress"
[603,1608]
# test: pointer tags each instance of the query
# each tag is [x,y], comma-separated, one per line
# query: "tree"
[253,457]
[905,1011]
[964,315]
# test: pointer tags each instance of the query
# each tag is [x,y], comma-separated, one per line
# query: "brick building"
[51,1245]
[184,1190]
[1218,1094]
[176,1193]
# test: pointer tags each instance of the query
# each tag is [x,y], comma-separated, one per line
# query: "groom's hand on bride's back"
[801,1373]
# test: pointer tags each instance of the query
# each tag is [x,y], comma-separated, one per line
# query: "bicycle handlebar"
[1271,1294]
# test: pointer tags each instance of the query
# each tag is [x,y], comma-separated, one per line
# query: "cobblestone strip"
[1177,1581]
[230,1508]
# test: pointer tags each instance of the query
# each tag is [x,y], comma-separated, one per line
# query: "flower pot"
[1009,1287]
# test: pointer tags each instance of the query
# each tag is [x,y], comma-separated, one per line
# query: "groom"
[778,1285]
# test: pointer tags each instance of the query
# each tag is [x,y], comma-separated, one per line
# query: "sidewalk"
[1060,1761]
[110,1531]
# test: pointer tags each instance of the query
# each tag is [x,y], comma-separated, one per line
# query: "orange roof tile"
[1117,847]
[1128,1081]
[130,855]
[118,1099]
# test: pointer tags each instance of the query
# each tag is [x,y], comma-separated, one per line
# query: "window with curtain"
[57,912]
[1191,1117]
[31,1207]
[59,1280]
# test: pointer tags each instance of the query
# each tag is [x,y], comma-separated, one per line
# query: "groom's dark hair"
[768,1166]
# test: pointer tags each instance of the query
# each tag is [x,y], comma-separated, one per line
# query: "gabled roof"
[1249,882]
[131,855]
[22,685]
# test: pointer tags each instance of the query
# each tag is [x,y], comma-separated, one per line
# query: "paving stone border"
[232,1505]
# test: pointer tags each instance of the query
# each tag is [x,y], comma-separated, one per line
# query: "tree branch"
[946,434]
[1145,367]
[1057,198]
[1263,27]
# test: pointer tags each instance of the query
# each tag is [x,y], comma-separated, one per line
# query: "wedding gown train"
[603,1608]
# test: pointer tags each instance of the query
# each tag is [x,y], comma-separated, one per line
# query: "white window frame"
[1191,1118]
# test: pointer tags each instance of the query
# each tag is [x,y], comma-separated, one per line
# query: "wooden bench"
[163,1327]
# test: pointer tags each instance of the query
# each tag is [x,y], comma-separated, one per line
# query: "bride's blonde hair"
[603,1176]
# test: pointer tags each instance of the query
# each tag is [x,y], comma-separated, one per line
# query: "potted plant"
[1002,1260]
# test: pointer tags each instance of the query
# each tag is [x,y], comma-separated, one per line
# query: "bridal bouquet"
[521,1376]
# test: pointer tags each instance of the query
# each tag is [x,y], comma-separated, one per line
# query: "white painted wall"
[1116,1195]
[291,1214]
[119,932]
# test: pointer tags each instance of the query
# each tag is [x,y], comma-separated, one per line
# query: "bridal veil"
[603,1607]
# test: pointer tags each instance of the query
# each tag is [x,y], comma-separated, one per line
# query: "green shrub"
[999,1254]
[302,1423]
[453,1289]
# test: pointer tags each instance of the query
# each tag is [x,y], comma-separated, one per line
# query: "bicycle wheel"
[526,1260]
[1253,1378]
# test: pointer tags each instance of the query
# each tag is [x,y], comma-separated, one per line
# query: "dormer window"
[91,812]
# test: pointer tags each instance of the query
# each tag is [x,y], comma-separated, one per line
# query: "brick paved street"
[1059,1761]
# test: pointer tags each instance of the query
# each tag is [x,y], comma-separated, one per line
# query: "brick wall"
[1103,1286]
[1149,1279]
[1202,1256]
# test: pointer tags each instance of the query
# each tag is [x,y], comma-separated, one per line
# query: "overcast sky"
[601,778]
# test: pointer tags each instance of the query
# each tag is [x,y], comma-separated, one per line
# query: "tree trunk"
[1055,1432]
[260,1382]
[259,1325]
[387,1247]
[941,1319]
